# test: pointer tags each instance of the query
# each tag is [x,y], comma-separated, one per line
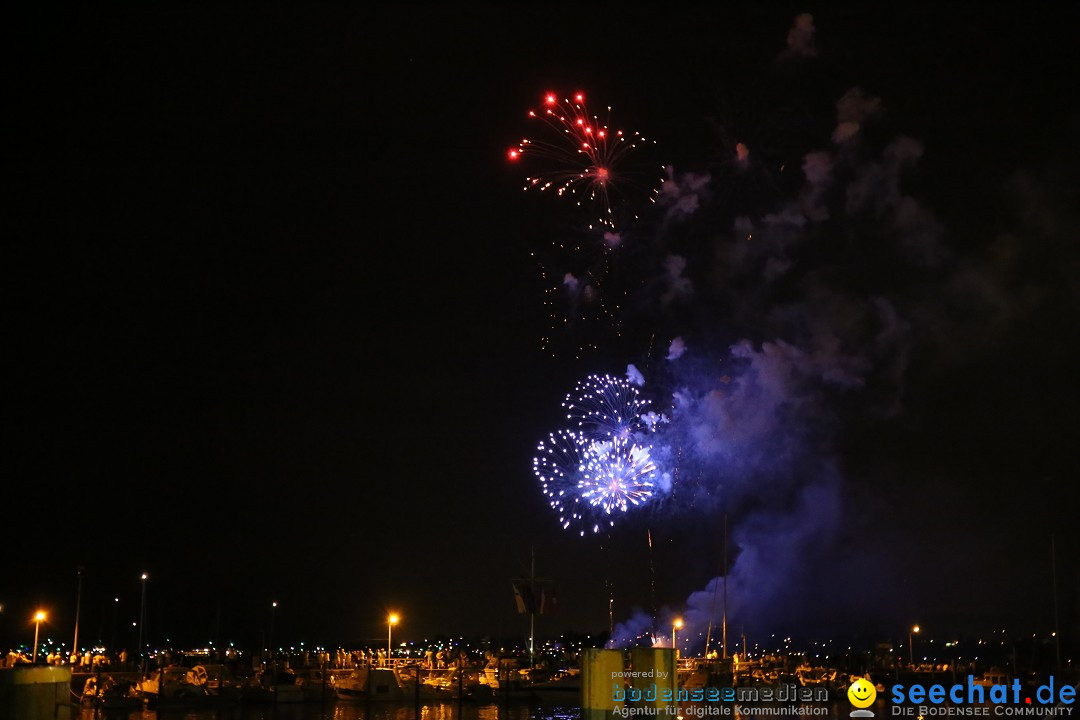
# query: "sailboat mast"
[532,609]
[1053,576]
[724,637]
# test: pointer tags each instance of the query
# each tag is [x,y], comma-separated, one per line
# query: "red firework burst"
[583,158]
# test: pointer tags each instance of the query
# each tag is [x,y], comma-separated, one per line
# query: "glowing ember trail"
[586,160]
[603,465]
[607,407]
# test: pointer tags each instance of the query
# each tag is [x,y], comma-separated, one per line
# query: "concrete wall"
[36,693]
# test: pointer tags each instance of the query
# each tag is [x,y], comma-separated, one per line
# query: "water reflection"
[346,711]
[406,711]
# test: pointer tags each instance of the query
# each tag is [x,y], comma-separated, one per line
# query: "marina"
[609,682]
[452,362]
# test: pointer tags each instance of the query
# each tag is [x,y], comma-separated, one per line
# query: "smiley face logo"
[861,693]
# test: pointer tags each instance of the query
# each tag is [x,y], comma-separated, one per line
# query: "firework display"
[610,175]
[607,407]
[581,157]
[559,465]
[618,474]
[605,464]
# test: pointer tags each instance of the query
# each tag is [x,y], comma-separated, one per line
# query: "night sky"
[273,328]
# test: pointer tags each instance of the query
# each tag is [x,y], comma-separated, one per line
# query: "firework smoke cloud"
[800,39]
[791,324]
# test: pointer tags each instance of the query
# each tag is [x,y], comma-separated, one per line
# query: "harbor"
[462,682]
[415,361]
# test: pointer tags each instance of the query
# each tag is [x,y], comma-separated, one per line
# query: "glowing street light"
[910,644]
[115,609]
[677,625]
[142,613]
[391,621]
[39,616]
[273,612]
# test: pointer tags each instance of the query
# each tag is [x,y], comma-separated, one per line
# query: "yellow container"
[601,682]
[654,679]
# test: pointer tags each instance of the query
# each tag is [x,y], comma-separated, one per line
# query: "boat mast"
[712,611]
[1053,576]
[532,609]
[78,611]
[724,638]
[652,576]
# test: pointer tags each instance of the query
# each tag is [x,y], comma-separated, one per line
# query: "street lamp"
[116,607]
[273,611]
[677,625]
[910,644]
[142,613]
[390,623]
[38,617]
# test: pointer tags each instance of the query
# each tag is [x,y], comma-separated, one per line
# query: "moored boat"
[109,694]
[375,684]
[175,686]
[274,685]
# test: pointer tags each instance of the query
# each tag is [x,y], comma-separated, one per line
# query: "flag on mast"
[535,597]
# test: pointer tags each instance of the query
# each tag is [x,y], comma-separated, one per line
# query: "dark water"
[344,711]
[444,711]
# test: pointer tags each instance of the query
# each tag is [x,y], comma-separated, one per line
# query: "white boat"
[175,685]
[449,684]
[374,684]
[993,676]
[110,694]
